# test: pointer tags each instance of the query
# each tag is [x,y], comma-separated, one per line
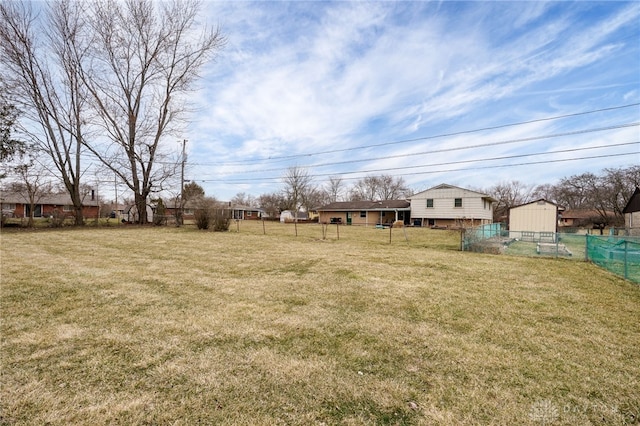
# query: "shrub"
[221,221]
[203,217]
[159,218]
[57,219]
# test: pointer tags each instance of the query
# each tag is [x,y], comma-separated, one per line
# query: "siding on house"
[448,205]
[537,216]
[632,214]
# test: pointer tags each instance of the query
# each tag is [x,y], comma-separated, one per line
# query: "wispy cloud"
[306,77]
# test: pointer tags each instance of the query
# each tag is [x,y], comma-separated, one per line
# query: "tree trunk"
[141,205]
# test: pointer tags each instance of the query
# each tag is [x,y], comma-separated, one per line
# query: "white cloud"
[304,77]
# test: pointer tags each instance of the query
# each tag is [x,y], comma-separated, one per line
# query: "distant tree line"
[604,194]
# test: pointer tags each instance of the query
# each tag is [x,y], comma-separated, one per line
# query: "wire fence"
[619,254]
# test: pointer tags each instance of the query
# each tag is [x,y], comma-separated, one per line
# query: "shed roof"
[560,208]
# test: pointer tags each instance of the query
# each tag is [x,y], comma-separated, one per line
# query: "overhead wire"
[477,160]
[441,135]
[451,149]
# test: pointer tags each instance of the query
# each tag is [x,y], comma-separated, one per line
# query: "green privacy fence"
[619,254]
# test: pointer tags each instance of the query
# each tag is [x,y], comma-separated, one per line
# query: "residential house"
[632,214]
[584,218]
[534,221]
[16,204]
[365,212]
[449,206]
[241,212]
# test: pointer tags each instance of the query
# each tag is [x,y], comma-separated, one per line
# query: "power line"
[441,150]
[277,179]
[442,135]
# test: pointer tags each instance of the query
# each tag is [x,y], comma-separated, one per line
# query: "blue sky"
[422,90]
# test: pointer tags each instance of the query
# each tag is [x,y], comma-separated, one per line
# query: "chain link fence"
[619,254]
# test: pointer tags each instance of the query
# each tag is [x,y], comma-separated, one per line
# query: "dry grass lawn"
[174,326]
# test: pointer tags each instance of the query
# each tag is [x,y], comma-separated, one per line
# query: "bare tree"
[273,204]
[544,191]
[620,184]
[364,189]
[145,58]
[32,186]
[390,188]
[374,188]
[244,199]
[297,187]
[40,56]
[576,192]
[509,194]
[313,198]
[334,189]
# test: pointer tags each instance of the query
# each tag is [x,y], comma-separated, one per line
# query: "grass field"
[174,326]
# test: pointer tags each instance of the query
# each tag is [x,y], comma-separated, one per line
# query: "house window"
[363,214]
[249,213]
[67,208]
[188,212]
[10,206]
[457,202]
[429,202]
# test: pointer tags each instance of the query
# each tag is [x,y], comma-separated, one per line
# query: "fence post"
[586,248]
[626,249]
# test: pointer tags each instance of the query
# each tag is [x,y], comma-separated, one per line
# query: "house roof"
[634,203]
[51,199]
[583,214]
[367,205]
[447,186]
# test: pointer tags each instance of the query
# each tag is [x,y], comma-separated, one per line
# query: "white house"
[450,206]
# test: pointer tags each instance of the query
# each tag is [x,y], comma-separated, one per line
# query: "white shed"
[535,220]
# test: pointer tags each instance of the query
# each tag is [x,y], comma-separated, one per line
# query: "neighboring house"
[14,204]
[535,221]
[365,212]
[583,218]
[172,207]
[241,212]
[632,214]
[449,206]
[290,216]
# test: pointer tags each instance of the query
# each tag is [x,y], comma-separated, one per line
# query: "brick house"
[15,204]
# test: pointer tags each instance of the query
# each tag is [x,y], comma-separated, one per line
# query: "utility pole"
[184,159]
